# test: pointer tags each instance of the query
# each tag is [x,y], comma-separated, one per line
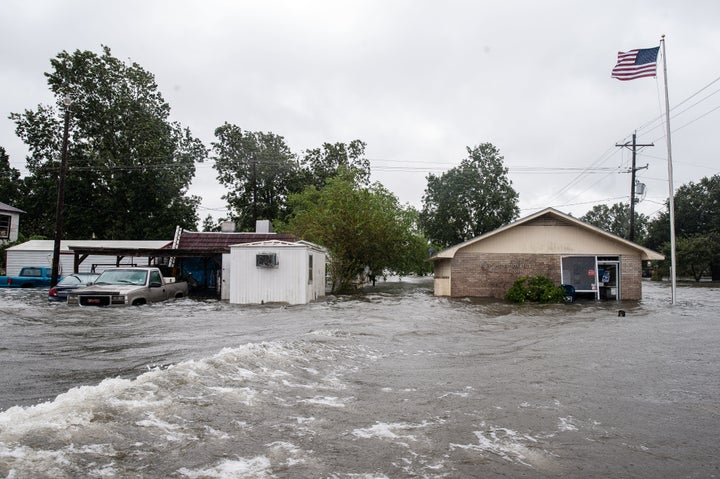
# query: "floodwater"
[393,383]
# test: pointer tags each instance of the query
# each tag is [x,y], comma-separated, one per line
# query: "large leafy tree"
[321,164]
[697,211]
[129,166]
[259,171]
[9,180]
[695,255]
[697,219]
[363,228]
[615,219]
[470,199]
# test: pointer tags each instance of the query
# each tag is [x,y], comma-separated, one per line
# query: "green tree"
[470,199]
[362,227]
[697,213]
[259,171]
[129,166]
[695,255]
[9,180]
[616,220]
[321,164]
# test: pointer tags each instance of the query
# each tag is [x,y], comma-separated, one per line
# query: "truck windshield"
[122,276]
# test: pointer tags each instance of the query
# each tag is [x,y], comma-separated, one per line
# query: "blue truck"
[29,277]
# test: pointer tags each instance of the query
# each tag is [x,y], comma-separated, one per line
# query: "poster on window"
[579,271]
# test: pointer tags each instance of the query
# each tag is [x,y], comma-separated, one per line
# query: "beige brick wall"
[631,278]
[491,275]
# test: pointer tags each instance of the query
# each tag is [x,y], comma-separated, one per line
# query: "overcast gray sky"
[418,81]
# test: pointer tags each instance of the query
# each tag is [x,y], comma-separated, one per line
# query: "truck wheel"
[138,302]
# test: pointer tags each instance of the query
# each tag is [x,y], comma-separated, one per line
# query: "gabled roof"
[281,244]
[10,209]
[646,253]
[189,240]
[268,243]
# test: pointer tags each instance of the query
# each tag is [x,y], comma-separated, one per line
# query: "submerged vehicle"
[71,282]
[29,277]
[129,286]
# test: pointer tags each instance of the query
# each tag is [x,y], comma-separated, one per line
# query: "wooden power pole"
[633,146]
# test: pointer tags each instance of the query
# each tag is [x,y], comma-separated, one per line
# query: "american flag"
[636,64]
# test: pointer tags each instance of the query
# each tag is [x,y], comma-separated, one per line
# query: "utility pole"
[254,187]
[633,169]
[60,207]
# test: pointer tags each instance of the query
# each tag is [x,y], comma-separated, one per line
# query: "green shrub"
[538,289]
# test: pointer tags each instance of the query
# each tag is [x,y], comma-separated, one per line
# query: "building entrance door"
[609,280]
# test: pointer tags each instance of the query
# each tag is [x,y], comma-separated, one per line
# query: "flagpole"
[670,179]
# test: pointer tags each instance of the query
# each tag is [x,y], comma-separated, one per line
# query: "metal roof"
[65,245]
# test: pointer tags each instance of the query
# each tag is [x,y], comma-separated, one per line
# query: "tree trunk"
[715,270]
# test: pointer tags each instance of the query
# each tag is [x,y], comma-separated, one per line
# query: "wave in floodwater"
[390,383]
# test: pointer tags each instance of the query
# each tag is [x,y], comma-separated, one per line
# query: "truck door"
[156,293]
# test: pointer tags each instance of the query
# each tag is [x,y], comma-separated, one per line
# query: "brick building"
[597,264]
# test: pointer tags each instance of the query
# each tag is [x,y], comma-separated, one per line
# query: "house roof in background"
[11,209]
[65,245]
[190,240]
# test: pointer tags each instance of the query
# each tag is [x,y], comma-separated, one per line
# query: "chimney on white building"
[227,227]
[263,226]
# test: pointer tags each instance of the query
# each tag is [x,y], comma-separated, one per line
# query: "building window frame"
[5,224]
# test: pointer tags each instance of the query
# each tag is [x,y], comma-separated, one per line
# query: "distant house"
[9,223]
[202,256]
[97,254]
[596,263]
[276,272]
[204,259]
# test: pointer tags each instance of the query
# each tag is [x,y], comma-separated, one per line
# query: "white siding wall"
[252,285]
[225,278]
[316,289]
[14,226]
[286,283]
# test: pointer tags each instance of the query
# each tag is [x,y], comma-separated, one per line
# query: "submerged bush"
[538,289]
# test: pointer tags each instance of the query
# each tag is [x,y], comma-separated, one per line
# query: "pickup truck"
[128,286]
[29,277]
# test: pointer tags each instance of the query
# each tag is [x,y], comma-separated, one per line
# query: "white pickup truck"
[128,286]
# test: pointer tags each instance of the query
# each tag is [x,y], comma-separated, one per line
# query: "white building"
[9,223]
[40,253]
[274,272]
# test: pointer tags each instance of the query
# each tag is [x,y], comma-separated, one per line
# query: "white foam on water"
[566,424]
[243,395]
[506,444]
[107,470]
[258,467]
[157,407]
[36,462]
[365,476]
[330,401]
[70,410]
[171,432]
[286,453]
[303,420]
[385,431]
[391,430]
